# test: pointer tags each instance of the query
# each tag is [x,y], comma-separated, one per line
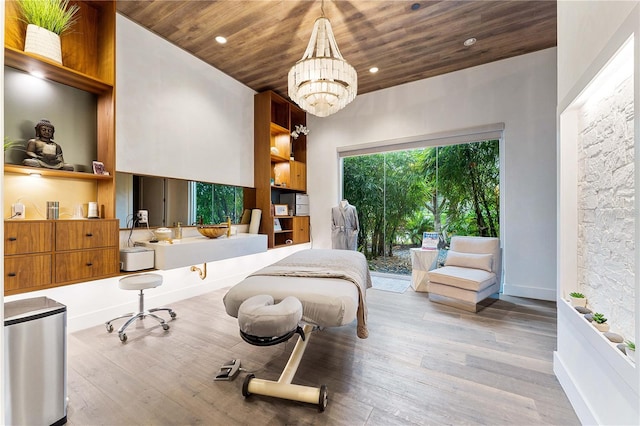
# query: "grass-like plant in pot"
[600,322]
[46,21]
[9,144]
[577,299]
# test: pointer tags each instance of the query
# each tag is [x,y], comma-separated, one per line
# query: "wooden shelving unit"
[280,165]
[88,55]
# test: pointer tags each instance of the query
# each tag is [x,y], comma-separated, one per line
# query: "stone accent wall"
[606,212]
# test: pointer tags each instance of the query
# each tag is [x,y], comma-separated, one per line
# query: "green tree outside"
[215,202]
[399,195]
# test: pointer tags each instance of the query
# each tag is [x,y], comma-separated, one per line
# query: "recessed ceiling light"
[470,41]
[373,70]
[221,40]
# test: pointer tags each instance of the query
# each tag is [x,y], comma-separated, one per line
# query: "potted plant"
[46,21]
[9,144]
[577,299]
[630,350]
[600,322]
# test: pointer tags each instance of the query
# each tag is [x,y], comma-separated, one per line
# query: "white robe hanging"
[344,227]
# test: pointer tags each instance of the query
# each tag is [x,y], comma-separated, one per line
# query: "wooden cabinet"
[280,163]
[298,175]
[301,232]
[88,57]
[28,255]
[44,254]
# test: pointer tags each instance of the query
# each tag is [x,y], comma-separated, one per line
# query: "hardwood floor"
[423,364]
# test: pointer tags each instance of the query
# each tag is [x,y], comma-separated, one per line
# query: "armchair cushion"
[464,278]
[469,260]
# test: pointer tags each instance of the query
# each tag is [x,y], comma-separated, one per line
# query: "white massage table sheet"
[326,302]
[330,284]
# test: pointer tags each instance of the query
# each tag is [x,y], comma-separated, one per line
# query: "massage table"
[302,293]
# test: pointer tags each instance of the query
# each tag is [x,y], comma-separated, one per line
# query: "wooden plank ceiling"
[406,40]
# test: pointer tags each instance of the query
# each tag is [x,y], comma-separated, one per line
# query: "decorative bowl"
[212,231]
[162,234]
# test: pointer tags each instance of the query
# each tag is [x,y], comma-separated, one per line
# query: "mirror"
[169,201]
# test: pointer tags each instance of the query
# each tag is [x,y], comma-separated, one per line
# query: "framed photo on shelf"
[276,225]
[98,168]
[281,209]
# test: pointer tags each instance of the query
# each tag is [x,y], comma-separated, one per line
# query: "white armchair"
[471,274]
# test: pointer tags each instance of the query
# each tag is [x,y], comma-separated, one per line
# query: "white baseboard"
[529,292]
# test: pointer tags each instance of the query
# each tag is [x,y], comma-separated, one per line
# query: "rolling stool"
[139,282]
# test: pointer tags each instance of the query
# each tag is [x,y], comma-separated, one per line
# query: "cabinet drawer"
[88,264]
[86,234]
[21,272]
[27,237]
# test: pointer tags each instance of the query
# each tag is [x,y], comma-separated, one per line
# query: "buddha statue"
[42,151]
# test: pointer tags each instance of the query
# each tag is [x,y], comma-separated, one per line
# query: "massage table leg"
[283,387]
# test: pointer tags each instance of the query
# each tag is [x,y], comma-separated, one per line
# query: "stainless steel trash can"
[35,357]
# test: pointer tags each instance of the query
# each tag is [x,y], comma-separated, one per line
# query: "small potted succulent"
[600,322]
[577,299]
[630,350]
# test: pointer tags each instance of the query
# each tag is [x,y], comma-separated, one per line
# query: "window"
[451,189]
[212,203]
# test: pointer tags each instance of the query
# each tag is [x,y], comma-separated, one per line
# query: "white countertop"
[195,250]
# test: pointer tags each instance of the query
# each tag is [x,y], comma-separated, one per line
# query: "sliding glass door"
[451,190]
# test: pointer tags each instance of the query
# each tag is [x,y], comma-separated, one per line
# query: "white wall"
[177,116]
[520,92]
[601,384]
[606,210]
[584,28]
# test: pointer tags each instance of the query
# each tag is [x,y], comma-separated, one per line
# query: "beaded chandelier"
[322,82]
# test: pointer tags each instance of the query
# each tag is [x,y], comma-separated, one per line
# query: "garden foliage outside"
[215,202]
[399,195]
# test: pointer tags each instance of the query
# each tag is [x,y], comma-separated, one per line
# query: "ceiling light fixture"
[221,39]
[322,82]
[470,42]
[373,70]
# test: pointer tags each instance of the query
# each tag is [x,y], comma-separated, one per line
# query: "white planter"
[43,42]
[601,327]
[578,301]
